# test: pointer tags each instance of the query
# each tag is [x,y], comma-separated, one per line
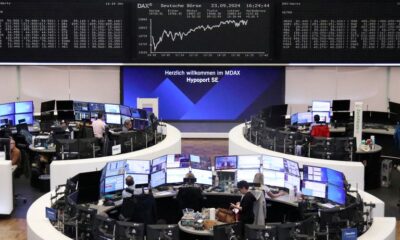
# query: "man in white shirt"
[99,127]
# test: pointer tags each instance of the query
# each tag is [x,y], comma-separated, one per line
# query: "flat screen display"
[313,189]
[273,163]
[115,168]
[246,174]
[225,162]
[158,178]
[203,176]
[126,111]
[114,183]
[23,107]
[24,118]
[293,119]
[7,109]
[138,166]
[138,178]
[135,113]
[321,106]
[96,107]
[291,167]
[176,175]
[205,93]
[7,118]
[323,116]
[112,108]
[249,161]
[178,161]
[340,105]
[65,105]
[81,106]
[292,181]
[325,175]
[304,117]
[336,194]
[159,164]
[274,178]
[113,119]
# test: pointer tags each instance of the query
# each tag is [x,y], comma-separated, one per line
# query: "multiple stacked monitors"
[331,179]
[202,176]
[280,172]
[314,189]
[16,113]
[112,108]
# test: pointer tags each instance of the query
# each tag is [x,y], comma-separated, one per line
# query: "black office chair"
[190,197]
[127,208]
[145,209]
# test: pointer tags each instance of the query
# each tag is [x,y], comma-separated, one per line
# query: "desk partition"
[6,186]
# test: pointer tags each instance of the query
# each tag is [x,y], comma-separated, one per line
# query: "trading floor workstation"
[317,204]
[64,132]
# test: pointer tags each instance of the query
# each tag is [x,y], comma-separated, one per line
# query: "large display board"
[205,93]
[193,31]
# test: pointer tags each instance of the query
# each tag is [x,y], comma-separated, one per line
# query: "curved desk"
[40,228]
[239,145]
[61,170]
[193,231]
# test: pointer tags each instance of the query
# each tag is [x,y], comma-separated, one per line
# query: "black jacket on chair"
[190,197]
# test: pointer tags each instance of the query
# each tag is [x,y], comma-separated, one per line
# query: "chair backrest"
[320,131]
[145,209]
[128,207]
[190,197]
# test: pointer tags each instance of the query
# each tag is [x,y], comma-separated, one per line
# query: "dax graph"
[203,31]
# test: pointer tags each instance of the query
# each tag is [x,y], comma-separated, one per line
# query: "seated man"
[319,129]
[190,196]
[127,125]
[130,190]
[15,153]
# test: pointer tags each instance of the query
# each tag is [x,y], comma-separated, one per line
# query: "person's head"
[129,181]
[12,144]
[128,123]
[189,178]
[100,115]
[243,186]
[316,118]
[259,178]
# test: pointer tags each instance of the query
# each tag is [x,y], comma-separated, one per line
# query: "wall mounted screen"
[205,93]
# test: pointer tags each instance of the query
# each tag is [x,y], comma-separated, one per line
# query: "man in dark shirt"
[245,207]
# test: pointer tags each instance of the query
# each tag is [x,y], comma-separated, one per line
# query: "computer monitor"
[115,168]
[103,227]
[113,119]
[249,161]
[23,107]
[321,106]
[79,116]
[340,117]
[394,107]
[24,118]
[313,189]
[112,108]
[203,176]
[162,232]
[65,105]
[246,174]
[125,110]
[7,120]
[292,181]
[176,175]
[273,163]
[88,190]
[323,116]
[139,179]
[198,162]
[114,183]
[158,178]
[178,161]
[138,166]
[142,113]
[81,106]
[304,118]
[225,162]
[227,231]
[96,107]
[294,119]
[341,105]
[48,106]
[135,113]
[291,167]
[336,194]
[260,232]
[159,164]
[129,231]
[7,109]
[322,174]
[66,115]
[274,178]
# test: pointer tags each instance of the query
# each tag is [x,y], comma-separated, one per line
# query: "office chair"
[320,131]
[190,197]
[145,209]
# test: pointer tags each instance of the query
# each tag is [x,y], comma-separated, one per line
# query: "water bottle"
[373,141]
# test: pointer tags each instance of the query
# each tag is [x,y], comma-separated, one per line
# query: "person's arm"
[276,195]
[15,157]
